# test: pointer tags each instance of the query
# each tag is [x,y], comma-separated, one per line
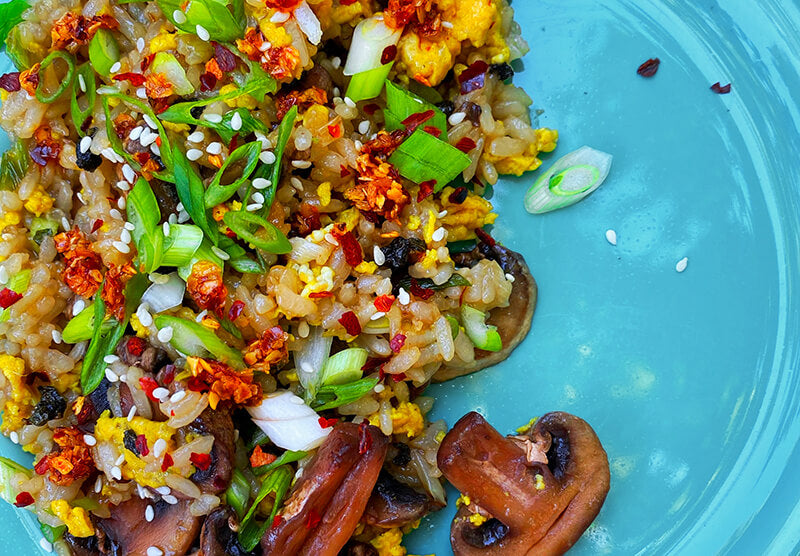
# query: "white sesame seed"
[611,237]
[86,144]
[358,144]
[183,217]
[121,247]
[109,154]
[254,207]
[179,206]
[141,92]
[349,102]
[82,83]
[303,330]
[116,473]
[336,92]
[279,17]
[110,359]
[330,239]
[177,396]
[261,183]
[169,499]
[220,253]
[438,234]
[196,137]
[131,413]
[172,218]
[155,149]
[115,214]
[301,164]
[140,44]
[46,545]
[120,459]
[116,67]
[65,222]
[161,393]
[202,33]
[111,375]
[56,335]
[129,226]
[3,275]
[456,118]
[149,513]
[296,183]
[89,440]
[378,315]
[201,315]
[179,17]
[682,264]
[98,484]
[14,436]
[144,315]
[121,203]
[78,306]
[402,297]
[336,62]
[154,551]
[213,118]
[160,445]
[236,121]
[123,185]
[363,127]
[442,214]
[162,490]
[214,148]
[267,157]
[265,46]
[447,25]
[165,334]
[80,197]
[194,154]
[125,236]
[165,228]
[378,256]
[258,198]
[148,139]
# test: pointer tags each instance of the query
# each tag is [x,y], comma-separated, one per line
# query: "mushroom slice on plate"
[533,494]
[394,504]
[512,322]
[219,535]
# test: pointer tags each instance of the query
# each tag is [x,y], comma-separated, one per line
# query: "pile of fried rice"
[144,431]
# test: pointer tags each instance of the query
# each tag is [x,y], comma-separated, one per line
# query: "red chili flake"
[168,375]
[135,79]
[42,466]
[313,519]
[399,377]
[458,196]
[236,310]
[432,130]
[10,82]
[474,77]
[86,124]
[352,249]
[389,54]
[416,120]
[158,140]
[350,322]
[208,81]
[397,342]
[485,238]
[335,131]
[384,302]
[23,499]
[225,58]
[277,521]
[146,61]
[97,225]
[374,363]
[141,445]
[234,142]
[195,384]
[371,108]
[136,346]
[327,423]
[167,463]
[148,384]
[347,2]
[343,171]
[201,461]
[172,413]
[320,295]
[465,144]
[8,298]
[425,190]
[364,438]
[721,89]
[419,291]
[649,68]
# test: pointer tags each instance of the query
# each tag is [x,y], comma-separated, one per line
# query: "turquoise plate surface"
[690,379]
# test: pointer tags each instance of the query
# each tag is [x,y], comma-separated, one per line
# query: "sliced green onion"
[402,103]
[571,179]
[13,166]
[239,260]
[9,468]
[310,359]
[455,280]
[344,367]
[181,114]
[370,38]
[80,327]
[483,336]
[463,246]
[86,75]
[86,503]
[368,84]
[52,534]
[455,328]
[428,94]
[289,456]
[238,493]
[203,253]
[255,80]
[42,227]
[168,64]
[224,21]
[103,52]
[191,191]
[422,157]
[273,172]
[192,338]
[332,396]
[10,16]
[18,283]
[379,326]
[217,192]
[271,240]
[64,82]
[144,214]
[16,49]
[276,483]
[181,244]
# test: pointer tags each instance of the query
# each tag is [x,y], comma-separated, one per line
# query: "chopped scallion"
[79,328]
[10,16]
[368,84]
[371,38]
[192,338]
[271,239]
[401,104]
[218,192]
[289,456]
[181,244]
[238,493]
[64,82]
[202,253]
[144,214]
[18,283]
[276,483]
[223,20]
[79,115]
[103,52]
[422,157]
[191,192]
[8,469]
[14,165]
[483,336]
[168,64]
[344,367]
[52,534]
[332,396]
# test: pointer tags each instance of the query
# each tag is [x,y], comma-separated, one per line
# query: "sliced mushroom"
[394,504]
[219,535]
[219,424]
[512,322]
[541,490]
[328,500]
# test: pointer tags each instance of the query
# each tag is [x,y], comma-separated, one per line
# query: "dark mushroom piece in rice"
[219,536]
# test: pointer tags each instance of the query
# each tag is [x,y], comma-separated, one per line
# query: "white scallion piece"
[370,38]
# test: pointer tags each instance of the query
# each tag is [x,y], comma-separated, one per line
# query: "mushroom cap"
[219,537]
[546,487]
[513,322]
[394,504]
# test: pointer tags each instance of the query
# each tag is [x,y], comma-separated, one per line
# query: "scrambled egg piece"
[112,429]
[163,42]
[316,278]
[388,543]
[407,418]
[11,218]
[141,330]
[177,128]
[366,267]
[241,101]
[22,400]
[517,165]
[324,193]
[39,202]
[76,519]
[463,219]
[463,500]
[274,34]
[477,519]
[527,426]
[350,217]
[539,482]
[430,227]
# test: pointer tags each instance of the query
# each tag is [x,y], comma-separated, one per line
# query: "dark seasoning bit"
[649,68]
[51,406]
[721,89]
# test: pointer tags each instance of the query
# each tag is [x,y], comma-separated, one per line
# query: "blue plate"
[689,379]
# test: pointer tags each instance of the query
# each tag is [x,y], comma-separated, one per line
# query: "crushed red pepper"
[205,286]
[23,499]
[425,190]
[71,31]
[269,351]
[135,79]
[350,322]
[10,82]
[302,99]
[280,62]
[349,244]
[82,266]
[113,289]
[397,342]
[200,461]
[8,297]
[46,148]
[327,423]
[721,89]
[71,461]
[141,445]
[158,86]
[29,79]
[260,458]
[474,77]
[384,302]
[364,438]
[236,310]
[167,462]
[223,383]
[466,144]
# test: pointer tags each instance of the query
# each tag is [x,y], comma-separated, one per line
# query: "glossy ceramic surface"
[689,379]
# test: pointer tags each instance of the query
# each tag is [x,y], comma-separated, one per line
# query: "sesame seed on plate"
[125,236]
[121,247]
[258,197]
[202,32]
[179,206]
[57,337]
[220,253]
[78,306]
[214,148]
[438,234]
[177,396]
[131,413]
[336,62]
[201,315]
[363,127]
[110,359]
[129,226]
[456,118]
[136,133]
[149,513]
[121,203]
[194,154]
[159,446]
[155,149]
[196,137]
[267,157]
[303,330]
[120,459]
[166,229]
[82,83]
[46,545]
[378,256]
[254,207]
[301,164]
[148,139]
[154,551]
[3,275]
[123,185]
[279,17]
[116,473]
[213,118]
[140,44]
[349,102]
[296,183]
[236,121]
[172,218]
[89,440]
[403,297]
[141,92]
[116,67]
[165,334]
[86,144]
[183,217]
[442,214]
[682,264]
[447,25]
[149,121]
[14,437]
[378,315]
[330,239]
[111,375]
[170,499]
[179,17]
[336,91]
[144,315]
[510,277]
[261,183]
[115,214]
[358,144]
[611,237]
[163,490]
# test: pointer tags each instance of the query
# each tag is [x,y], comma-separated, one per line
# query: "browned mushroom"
[394,504]
[219,424]
[219,535]
[512,322]
[539,491]
[328,500]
